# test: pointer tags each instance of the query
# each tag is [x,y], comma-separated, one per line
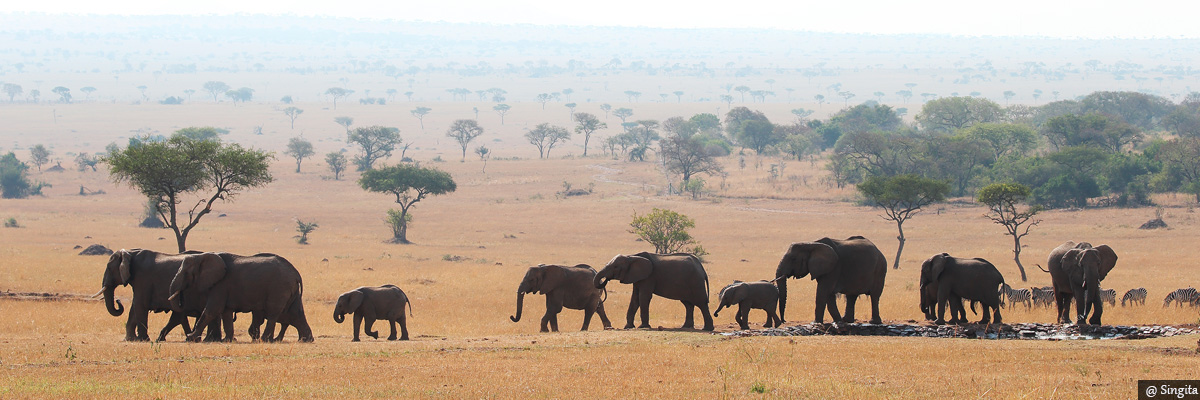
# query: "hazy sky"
[1090,19]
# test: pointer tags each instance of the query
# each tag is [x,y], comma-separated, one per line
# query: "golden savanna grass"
[507,217]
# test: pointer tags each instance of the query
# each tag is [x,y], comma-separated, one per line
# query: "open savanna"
[473,246]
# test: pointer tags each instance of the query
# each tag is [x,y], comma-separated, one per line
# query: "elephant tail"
[409,301]
[1043,269]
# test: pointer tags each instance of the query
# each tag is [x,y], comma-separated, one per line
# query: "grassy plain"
[505,217]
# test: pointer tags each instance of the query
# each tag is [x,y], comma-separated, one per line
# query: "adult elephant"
[955,279]
[1076,270]
[149,273]
[564,286]
[678,276]
[264,284]
[852,267]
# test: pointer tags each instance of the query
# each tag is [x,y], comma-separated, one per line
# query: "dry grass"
[508,219]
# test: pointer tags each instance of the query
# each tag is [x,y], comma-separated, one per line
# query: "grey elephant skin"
[852,267]
[264,284]
[564,286]
[1076,270]
[762,295]
[955,279]
[678,276]
[371,303]
[149,273]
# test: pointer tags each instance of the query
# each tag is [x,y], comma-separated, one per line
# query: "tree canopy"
[375,143]
[409,184]
[901,197]
[1002,200]
[464,131]
[546,136]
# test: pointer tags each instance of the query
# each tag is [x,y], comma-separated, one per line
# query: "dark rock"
[152,222]
[1153,224]
[96,250]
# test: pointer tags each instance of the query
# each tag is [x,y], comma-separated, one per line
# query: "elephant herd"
[213,287]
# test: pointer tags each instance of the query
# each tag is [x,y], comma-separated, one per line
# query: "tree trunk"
[900,249]
[586,138]
[1017,257]
[297,165]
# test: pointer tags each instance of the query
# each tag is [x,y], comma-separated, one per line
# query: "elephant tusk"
[98,293]
[173,296]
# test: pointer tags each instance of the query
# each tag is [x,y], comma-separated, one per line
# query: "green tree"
[464,131]
[338,93]
[501,109]
[410,184]
[949,114]
[1004,139]
[168,171]
[623,113]
[377,143]
[757,135]
[64,94]
[14,180]
[304,228]
[1002,200]
[687,156]
[1108,132]
[216,88]
[1181,160]
[240,95]
[1135,108]
[420,113]
[199,133]
[12,90]
[39,155]
[336,161]
[586,124]
[666,230]
[901,197]
[299,149]
[293,113]
[546,136]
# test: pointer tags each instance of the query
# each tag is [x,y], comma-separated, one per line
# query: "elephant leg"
[213,330]
[1063,301]
[743,317]
[136,322]
[176,320]
[998,319]
[821,300]
[357,322]
[553,307]
[708,320]
[403,320]
[546,322]
[633,306]
[1080,307]
[603,315]
[850,301]
[941,312]
[255,330]
[875,318]
[554,323]
[370,321]
[644,296]
[1097,310]
[587,316]
[689,321]
[392,324]
[227,320]
[831,304]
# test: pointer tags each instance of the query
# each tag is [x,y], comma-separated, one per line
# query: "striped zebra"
[1015,296]
[1180,296]
[1043,296]
[1134,296]
[1109,296]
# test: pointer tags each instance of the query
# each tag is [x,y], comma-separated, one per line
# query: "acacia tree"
[686,156]
[586,124]
[377,142]
[12,90]
[336,161]
[953,113]
[410,184]
[502,109]
[338,93]
[169,172]
[39,155]
[299,149]
[546,136]
[666,230]
[345,122]
[216,88]
[293,113]
[464,131]
[88,90]
[420,113]
[901,197]
[622,113]
[1002,200]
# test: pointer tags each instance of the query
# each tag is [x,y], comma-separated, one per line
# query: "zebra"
[1015,296]
[1109,296]
[1043,296]
[1134,296]
[1180,296]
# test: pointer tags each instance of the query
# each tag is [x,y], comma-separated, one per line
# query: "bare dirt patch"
[1024,331]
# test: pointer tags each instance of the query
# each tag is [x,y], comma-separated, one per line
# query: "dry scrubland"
[499,223]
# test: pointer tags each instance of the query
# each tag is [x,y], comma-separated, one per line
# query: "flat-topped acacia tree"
[410,184]
[168,172]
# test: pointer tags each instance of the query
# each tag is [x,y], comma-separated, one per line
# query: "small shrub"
[758,387]
[11,223]
[304,228]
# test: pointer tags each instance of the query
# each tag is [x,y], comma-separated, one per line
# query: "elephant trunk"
[782,283]
[600,281]
[717,312]
[520,306]
[339,317]
[115,308]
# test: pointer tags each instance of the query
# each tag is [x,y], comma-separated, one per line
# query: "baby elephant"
[564,286]
[747,295]
[384,302]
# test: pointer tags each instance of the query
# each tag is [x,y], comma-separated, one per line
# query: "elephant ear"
[927,271]
[822,259]
[1070,264]
[1108,259]
[739,293]
[354,300]
[552,277]
[639,268]
[939,265]
[206,269]
[126,260]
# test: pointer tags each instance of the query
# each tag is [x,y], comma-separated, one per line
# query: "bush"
[14,180]
[666,230]
[11,223]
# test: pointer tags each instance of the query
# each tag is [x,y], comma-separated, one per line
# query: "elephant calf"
[383,302]
[762,295]
[564,286]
